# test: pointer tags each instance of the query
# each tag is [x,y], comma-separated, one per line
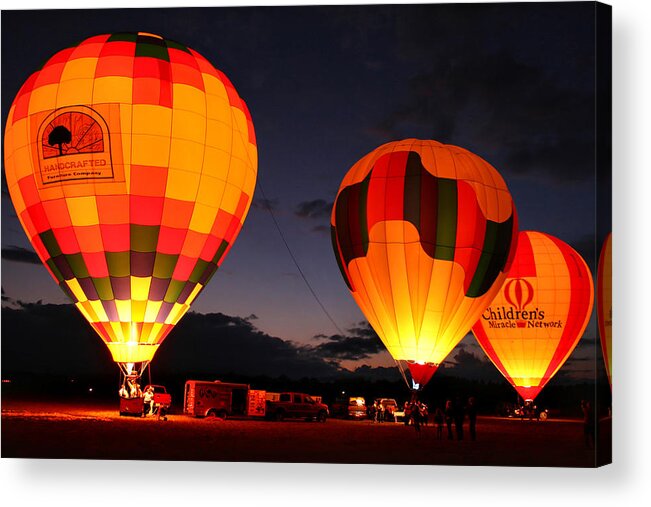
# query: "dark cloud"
[314,210]
[361,342]
[513,104]
[578,369]
[20,254]
[265,204]
[378,373]
[211,343]
[50,339]
[321,229]
[467,365]
[496,101]
[55,339]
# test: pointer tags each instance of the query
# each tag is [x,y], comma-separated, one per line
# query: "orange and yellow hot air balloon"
[131,162]
[537,318]
[605,304]
[424,234]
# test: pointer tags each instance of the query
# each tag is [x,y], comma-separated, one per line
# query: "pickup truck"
[296,405]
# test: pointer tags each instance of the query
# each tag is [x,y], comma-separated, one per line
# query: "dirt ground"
[39,430]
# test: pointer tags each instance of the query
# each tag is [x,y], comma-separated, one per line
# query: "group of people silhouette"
[416,414]
[455,413]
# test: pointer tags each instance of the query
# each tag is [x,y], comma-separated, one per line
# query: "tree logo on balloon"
[74,144]
[70,133]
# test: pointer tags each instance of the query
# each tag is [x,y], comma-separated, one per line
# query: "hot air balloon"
[423,233]
[537,318]
[605,304]
[131,162]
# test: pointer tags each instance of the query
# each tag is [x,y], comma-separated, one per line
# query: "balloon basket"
[130,391]
[132,407]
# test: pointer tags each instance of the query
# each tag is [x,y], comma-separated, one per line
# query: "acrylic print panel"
[424,171]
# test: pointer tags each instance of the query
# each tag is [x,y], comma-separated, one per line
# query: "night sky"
[513,83]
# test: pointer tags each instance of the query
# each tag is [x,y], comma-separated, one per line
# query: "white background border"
[627,481]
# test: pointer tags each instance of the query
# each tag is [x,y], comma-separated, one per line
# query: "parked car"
[297,406]
[349,407]
[356,408]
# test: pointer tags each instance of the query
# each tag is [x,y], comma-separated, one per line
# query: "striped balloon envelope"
[424,234]
[131,162]
[605,304]
[538,317]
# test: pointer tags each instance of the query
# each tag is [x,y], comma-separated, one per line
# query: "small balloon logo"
[518,292]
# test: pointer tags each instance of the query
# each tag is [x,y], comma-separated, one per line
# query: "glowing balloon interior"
[605,304]
[423,233]
[536,320]
[131,162]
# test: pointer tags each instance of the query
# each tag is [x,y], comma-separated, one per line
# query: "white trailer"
[222,399]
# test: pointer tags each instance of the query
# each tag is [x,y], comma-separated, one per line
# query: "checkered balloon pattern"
[131,162]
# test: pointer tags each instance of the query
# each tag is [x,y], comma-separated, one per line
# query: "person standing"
[149,401]
[415,413]
[424,414]
[472,418]
[459,416]
[374,411]
[449,417]
[438,419]
[389,413]
[588,424]
[134,389]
